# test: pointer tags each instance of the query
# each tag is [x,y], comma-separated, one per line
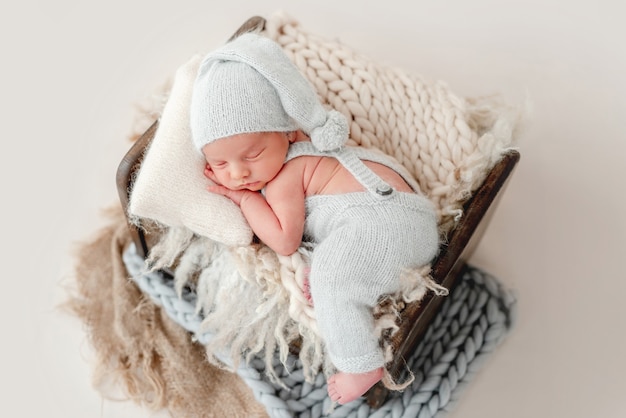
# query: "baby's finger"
[218,190]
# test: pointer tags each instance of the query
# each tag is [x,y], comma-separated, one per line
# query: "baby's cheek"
[220,177]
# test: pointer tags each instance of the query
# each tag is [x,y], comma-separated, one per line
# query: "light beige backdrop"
[72,72]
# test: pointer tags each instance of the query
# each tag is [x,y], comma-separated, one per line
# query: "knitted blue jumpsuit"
[362,243]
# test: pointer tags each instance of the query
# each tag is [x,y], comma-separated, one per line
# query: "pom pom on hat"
[333,134]
[292,104]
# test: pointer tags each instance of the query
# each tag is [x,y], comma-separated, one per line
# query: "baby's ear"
[296,136]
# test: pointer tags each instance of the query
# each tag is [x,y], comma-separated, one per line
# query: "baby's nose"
[239,172]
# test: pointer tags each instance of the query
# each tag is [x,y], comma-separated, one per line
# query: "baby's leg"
[346,387]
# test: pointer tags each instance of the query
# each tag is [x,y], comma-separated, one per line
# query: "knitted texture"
[472,322]
[249,85]
[363,242]
[158,190]
[364,246]
[446,142]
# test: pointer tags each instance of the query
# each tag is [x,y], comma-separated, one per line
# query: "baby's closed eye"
[217,164]
[254,155]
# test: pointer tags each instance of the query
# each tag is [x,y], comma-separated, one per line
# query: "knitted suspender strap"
[473,320]
[372,182]
[351,159]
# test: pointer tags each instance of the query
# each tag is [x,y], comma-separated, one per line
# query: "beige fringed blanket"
[139,348]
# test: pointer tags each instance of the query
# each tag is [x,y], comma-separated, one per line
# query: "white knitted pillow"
[447,143]
[170,187]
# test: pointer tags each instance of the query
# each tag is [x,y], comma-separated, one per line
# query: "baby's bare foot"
[346,387]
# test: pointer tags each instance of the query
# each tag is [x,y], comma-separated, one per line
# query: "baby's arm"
[278,218]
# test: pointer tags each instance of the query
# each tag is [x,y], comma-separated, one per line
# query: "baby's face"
[247,161]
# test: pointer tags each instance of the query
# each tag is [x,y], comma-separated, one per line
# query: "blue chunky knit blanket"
[472,321]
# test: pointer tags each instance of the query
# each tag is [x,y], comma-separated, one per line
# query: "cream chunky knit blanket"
[251,298]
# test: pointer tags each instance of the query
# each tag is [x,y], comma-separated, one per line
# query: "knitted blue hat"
[250,85]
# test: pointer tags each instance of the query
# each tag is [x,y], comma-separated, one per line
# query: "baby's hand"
[235,195]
